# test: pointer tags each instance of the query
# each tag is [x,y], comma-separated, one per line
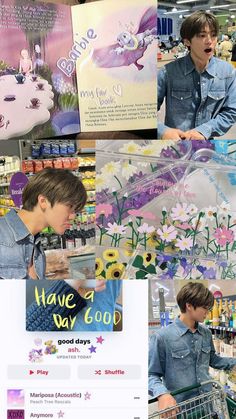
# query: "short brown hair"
[196,22]
[57,185]
[196,294]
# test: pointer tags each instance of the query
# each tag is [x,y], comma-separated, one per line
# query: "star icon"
[92,349]
[87,395]
[100,339]
[60,414]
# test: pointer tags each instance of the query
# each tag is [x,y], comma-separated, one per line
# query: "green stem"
[176,151]
[118,181]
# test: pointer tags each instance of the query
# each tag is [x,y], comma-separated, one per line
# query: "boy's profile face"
[59,216]
[202,45]
[197,314]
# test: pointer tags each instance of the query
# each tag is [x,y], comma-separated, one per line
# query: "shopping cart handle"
[174,393]
[189,388]
[182,390]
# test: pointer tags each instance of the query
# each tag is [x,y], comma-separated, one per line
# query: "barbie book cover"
[37,98]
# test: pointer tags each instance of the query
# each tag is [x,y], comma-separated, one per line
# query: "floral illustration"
[177,244]
[170,267]
[108,266]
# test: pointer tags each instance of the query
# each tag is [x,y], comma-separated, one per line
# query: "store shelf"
[5,184]
[8,172]
[226,329]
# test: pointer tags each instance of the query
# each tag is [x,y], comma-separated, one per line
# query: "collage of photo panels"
[118,209]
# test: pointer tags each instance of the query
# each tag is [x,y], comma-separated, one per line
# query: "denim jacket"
[179,358]
[17,245]
[203,101]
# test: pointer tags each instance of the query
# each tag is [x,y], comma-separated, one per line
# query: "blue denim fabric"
[104,302]
[179,358]
[203,101]
[17,246]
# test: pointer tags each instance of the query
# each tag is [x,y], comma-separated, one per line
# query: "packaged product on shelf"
[36,150]
[58,164]
[63,148]
[73,163]
[66,161]
[71,148]
[55,149]
[46,149]
[38,165]
[47,163]
[28,166]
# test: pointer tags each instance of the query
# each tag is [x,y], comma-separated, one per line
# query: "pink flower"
[184,226]
[224,236]
[180,212]
[143,214]
[105,209]
[145,228]
[115,229]
[184,243]
[167,233]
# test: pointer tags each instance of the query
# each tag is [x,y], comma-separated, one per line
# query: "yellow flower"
[129,251]
[148,258]
[99,266]
[130,148]
[111,255]
[149,150]
[115,271]
[153,239]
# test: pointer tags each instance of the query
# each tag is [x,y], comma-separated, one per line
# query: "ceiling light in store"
[221,6]
[166,291]
[177,11]
[226,20]
[232,16]
[180,16]
[174,9]
[223,15]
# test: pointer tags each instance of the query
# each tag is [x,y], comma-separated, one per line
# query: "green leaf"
[140,274]
[138,262]
[151,269]
[110,263]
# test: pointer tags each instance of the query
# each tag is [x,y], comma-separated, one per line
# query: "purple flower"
[197,145]
[188,268]
[209,274]
[163,258]
[165,275]
[201,268]
[223,264]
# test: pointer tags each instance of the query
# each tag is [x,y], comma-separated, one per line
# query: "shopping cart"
[212,404]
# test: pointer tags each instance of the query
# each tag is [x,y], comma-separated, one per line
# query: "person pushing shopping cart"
[179,359]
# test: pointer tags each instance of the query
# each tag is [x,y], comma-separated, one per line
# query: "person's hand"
[166,401]
[100,285]
[74,283]
[78,285]
[173,134]
[193,135]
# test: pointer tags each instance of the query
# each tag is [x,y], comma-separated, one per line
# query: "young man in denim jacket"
[181,353]
[50,199]
[199,89]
